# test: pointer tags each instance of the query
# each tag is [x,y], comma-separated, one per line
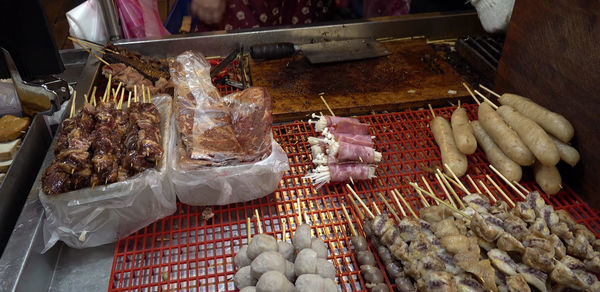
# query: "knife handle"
[272,50]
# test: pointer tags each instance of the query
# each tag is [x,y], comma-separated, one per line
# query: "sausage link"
[536,139]
[568,153]
[553,123]
[510,169]
[506,138]
[463,133]
[547,177]
[456,160]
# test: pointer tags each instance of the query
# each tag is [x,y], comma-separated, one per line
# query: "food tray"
[183,252]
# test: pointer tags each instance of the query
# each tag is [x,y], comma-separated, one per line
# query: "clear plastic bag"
[86,22]
[87,218]
[224,150]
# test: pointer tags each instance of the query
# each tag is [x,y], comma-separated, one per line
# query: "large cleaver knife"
[323,52]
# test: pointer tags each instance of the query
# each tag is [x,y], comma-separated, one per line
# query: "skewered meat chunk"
[367,228]
[502,261]
[274,281]
[429,262]
[516,227]
[455,243]
[55,180]
[534,277]
[261,243]
[539,259]
[564,275]
[466,283]
[409,228]
[243,278]
[482,270]
[325,268]
[371,274]
[302,238]
[381,287]
[479,203]
[524,211]
[549,215]
[579,247]
[399,250]
[359,243]
[540,226]
[437,281]
[445,228]
[487,226]
[538,241]
[394,270]
[390,236]
[365,257]
[517,283]
[384,254]
[583,230]
[564,216]
[267,261]
[286,250]
[507,242]
[381,224]
[241,259]
[500,210]
[449,261]
[535,201]
[306,262]
[562,230]
[404,284]
[593,264]
[560,250]
[434,213]
[319,246]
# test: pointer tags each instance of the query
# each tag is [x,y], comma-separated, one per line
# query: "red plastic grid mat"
[183,252]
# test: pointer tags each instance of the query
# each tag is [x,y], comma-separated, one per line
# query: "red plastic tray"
[185,253]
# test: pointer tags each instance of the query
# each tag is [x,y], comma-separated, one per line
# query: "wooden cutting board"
[412,76]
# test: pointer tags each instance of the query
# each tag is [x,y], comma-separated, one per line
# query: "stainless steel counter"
[24,268]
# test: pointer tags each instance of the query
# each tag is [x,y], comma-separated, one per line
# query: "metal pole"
[111,20]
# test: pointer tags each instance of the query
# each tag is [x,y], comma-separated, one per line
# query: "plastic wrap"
[92,217]
[87,22]
[224,151]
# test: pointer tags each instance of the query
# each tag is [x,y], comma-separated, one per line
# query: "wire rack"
[185,252]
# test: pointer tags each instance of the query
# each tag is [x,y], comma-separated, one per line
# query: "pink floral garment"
[240,14]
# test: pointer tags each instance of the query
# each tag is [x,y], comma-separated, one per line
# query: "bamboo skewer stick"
[376,209]
[360,201]
[448,197]
[89,45]
[456,197]
[116,94]
[248,229]
[135,93]
[385,202]
[149,95]
[354,233]
[143,93]
[260,230]
[427,184]
[93,96]
[489,193]
[473,183]
[500,190]
[493,105]
[299,210]
[73,104]
[432,112]
[440,201]
[107,90]
[489,90]
[507,182]
[120,106]
[327,105]
[461,185]
[361,216]
[395,195]
[423,200]
[283,231]
[471,93]
[90,52]
[521,187]
[94,44]
[406,203]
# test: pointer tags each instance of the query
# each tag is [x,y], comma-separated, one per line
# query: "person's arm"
[208,11]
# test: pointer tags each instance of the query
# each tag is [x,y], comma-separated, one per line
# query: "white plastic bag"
[87,218]
[224,185]
[87,22]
